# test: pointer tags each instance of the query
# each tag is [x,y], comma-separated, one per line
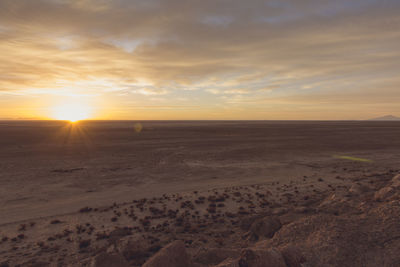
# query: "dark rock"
[246,222]
[261,258]
[358,189]
[396,181]
[292,256]
[84,243]
[229,263]
[118,233]
[109,260]
[214,256]
[172,255]
[264,228]
[136,252]
[384,193]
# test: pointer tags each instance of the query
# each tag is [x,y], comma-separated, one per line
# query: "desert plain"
[199,193]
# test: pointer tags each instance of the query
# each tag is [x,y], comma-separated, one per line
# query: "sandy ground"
[71,191]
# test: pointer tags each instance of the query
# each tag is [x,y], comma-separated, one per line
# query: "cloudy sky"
[184,59]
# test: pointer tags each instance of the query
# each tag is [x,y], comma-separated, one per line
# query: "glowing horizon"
[274,59]
[72,112]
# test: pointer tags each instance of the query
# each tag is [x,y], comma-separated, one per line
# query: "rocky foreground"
[352,221]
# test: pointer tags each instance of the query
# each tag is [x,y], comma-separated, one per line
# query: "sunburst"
[72,112]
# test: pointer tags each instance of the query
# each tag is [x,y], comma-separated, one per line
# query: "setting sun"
[72,112]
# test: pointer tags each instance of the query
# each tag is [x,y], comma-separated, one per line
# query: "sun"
[72,112]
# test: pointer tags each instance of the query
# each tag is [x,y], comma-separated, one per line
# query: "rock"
[351,239]
[264,227]
[109,260]
[338,203]
[214,256]
[303,210]
[33,263]
[119,233]
[396,181]
[135,251]
[84,244]
[384,193]
[290,217]
[246,222]
[337,197]
[229,263]
[172,255]
[254,257]
[292,256]
[279,211]
[358,189]
[263,244]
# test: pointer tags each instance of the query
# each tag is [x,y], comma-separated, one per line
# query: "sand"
[70,192]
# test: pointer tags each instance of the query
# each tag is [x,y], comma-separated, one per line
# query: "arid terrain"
[222,193]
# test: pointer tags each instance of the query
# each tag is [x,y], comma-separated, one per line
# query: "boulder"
[302,209]
[279,211]
[135,251]
[254,257]
[396,181]
[337,197]
[338,203]
[109,260]
[31,263]
[229,263]
[264,228]
[246,222]
[292,256]
[214,256]
[358,189]
[384,193]
[119,233]
[263,244]
[172,255]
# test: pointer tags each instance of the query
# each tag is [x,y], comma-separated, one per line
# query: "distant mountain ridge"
[386,118]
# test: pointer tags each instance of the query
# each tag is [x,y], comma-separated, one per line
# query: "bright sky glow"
[72,112]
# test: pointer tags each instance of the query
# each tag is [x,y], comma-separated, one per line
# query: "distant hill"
[386,118]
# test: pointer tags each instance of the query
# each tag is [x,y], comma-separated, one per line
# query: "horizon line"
[183,120]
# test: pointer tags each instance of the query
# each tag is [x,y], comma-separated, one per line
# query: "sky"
[208,59]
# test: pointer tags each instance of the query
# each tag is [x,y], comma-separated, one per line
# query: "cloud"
[238,49]
[150,91]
